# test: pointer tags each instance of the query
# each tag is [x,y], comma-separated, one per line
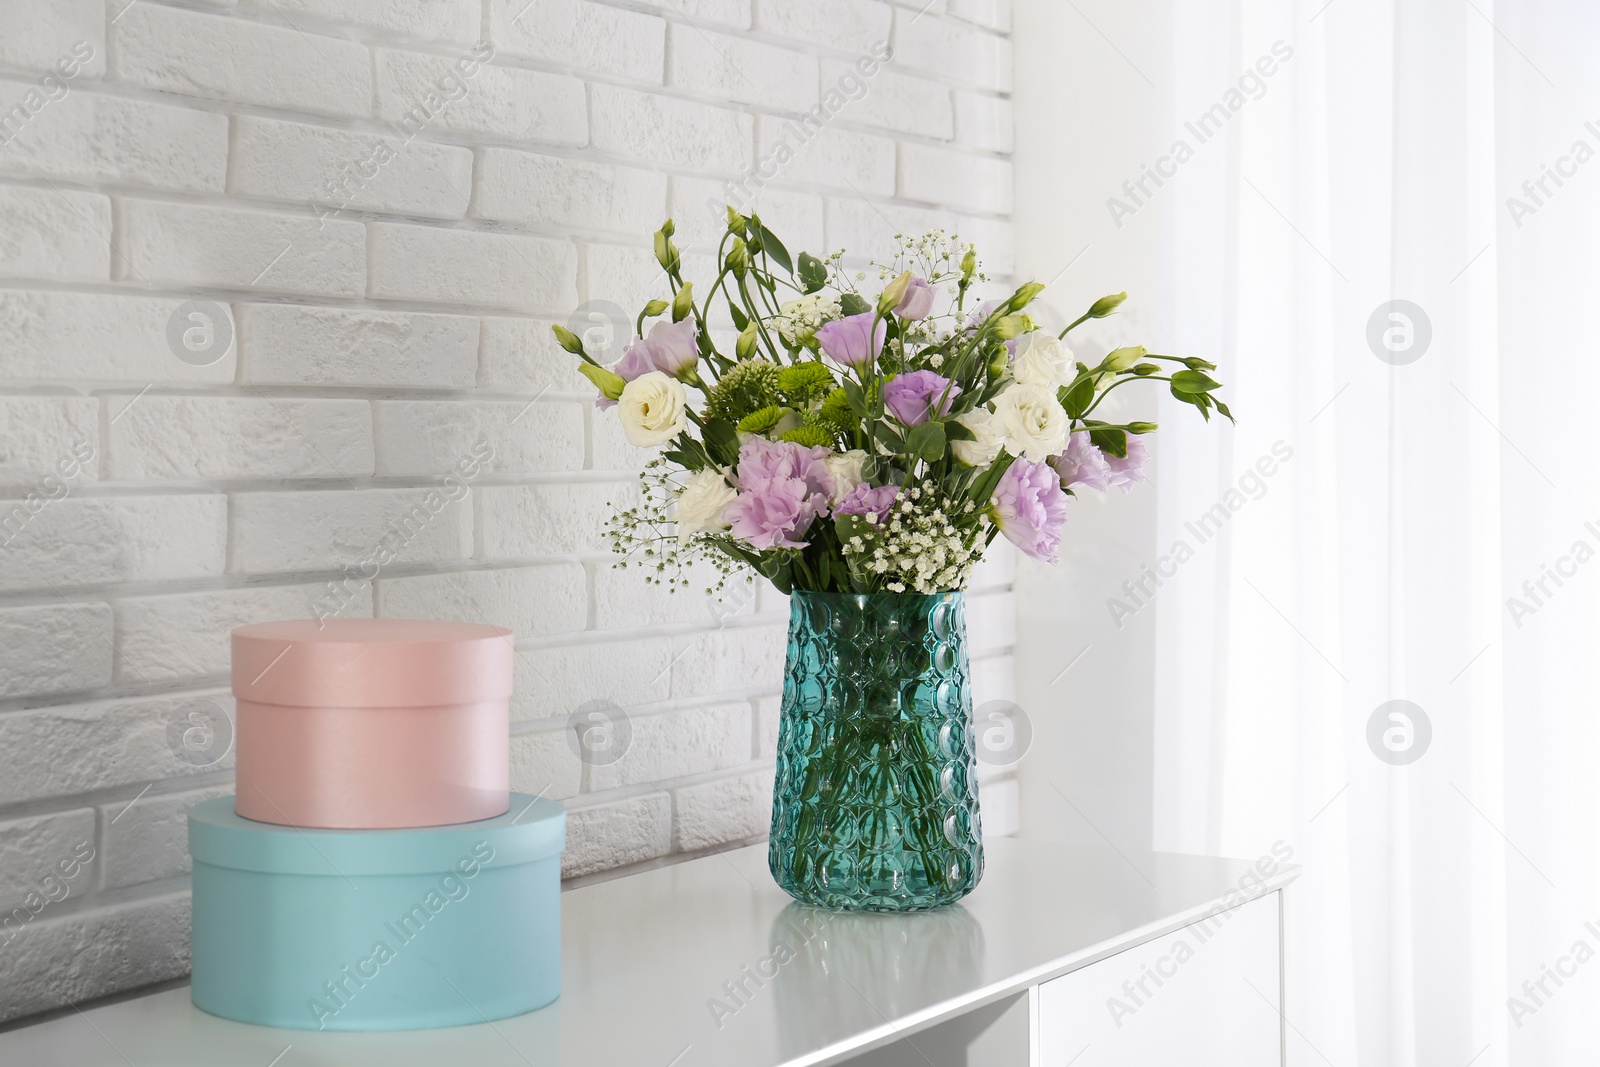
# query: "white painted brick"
[563,678]
[343,170]
[61,438]
[516,521]
[623,599]
[521,355]
[828,156]
[54,234]
[149,839]
[545,764]
[539,190]
[699,211]
[223,58]
[71,33]
[671,744]
[184,636]
[993,236]
[610,449]
[576,33]
[722,811]
[868,229]
[849,25]
[528,601]
[88,136]
[998,567]
[955,50]
[75,541]
[78,337]
[662,129]
[101,744]
[45,854]
[991,14]
[301,531]
[748,72]
[728,660]
[190,244]
[522,105]
[54,648]
[61,960]
[955,179]
[896,102]
[622,279]
[991,623]
[429,436]
[1002,808]
[769,712]
[465,267]
[771,602]
[184,438]
[616,833]
[993,678]
[727,12]
[984,121]
[439,21]
[287,345]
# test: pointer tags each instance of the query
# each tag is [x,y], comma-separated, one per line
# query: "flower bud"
[738,258]
[1123,359]
[1106,305]
[893,293]
[1141,427]
[745,347]
[683,303]
[609,383]
[654,308]
[567,339]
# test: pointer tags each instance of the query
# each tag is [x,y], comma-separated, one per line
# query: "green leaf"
[740,319]
[774,247]
[955,431]
[852,304]
[1224,409]
[857,399]
[813,274]
[721,441]
[1078,398]
[983,488]
[927,441]
[1110,440]
[1194,381]
[886,433]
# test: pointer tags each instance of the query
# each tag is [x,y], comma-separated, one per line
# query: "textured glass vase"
[875,804]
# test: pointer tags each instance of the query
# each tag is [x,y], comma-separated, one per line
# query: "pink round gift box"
[372,723]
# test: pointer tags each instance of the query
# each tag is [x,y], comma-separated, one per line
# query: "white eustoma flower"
[1041,359]
[702,503]
[989,438]
[653,409]
[845,469]
[1035,424]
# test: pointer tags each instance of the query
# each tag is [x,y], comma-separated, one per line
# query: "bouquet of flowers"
[845,441]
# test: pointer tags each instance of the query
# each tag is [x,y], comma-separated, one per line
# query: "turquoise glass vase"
[875,803]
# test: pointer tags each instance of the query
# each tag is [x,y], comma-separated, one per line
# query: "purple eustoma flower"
[911,397]
[872,501]
[669,348]
[783,487]
[1083,464]
[1127,471]
[1030,508]
[917,302]
[852,341]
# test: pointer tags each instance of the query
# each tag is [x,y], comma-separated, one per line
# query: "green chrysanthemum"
[836,413]
[761,421]
[804,383]
[809,436]
[745,389]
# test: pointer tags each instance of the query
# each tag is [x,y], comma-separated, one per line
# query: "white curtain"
[1385,160]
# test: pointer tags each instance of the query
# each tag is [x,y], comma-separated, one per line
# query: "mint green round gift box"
[376,929]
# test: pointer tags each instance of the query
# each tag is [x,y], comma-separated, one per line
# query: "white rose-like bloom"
[845,469]
[652,408]
[1041,359]
[990,438]
[702,503]
[1035,424]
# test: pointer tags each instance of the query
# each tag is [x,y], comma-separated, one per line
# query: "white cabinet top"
[707,963]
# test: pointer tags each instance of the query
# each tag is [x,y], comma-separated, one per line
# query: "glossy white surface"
[644,957]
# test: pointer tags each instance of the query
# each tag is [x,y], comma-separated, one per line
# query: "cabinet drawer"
[1201,996]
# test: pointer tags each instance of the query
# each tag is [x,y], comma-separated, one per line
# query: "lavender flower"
[1030,508]
[911,397]
[1083,464]
[670,348]
[918,301]
[872,501]
[783,487]
[1125,472]
[852,341]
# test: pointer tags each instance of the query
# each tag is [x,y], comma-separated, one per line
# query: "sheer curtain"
[1423,534]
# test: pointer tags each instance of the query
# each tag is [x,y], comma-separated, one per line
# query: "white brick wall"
[380,207]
